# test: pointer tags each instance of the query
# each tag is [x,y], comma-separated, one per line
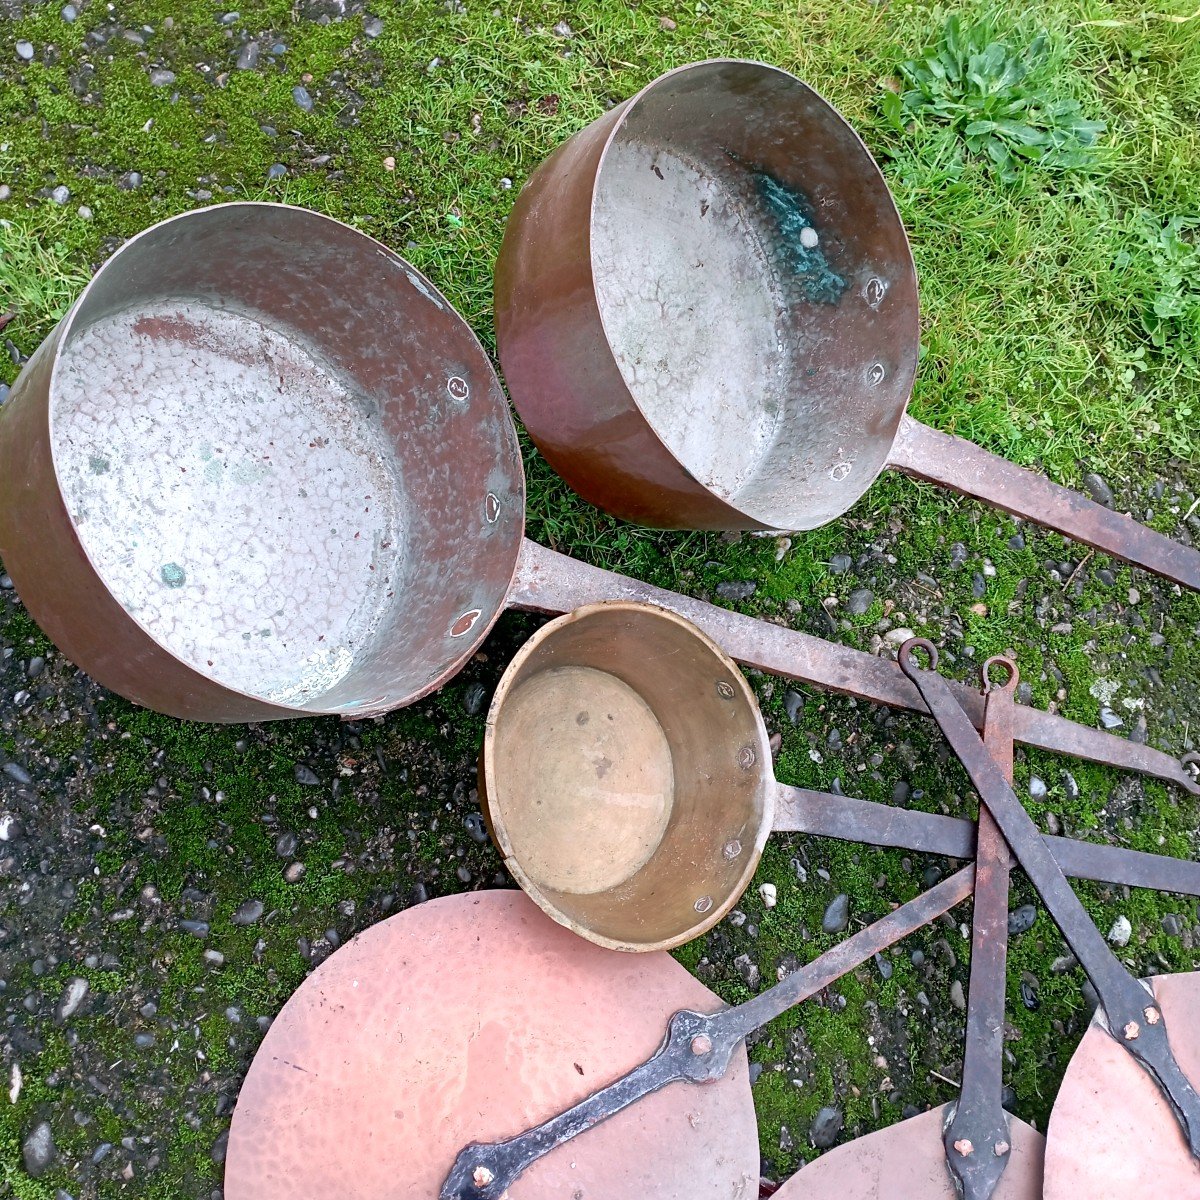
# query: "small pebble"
[198,929]
[1099,489]
[1037,787]
[25,51]
[839,564]
[1021,920]
[1121,932]
[372,26]
[17,772]
[130,181]
[36,666]
[473,699]
[859,601]
[5,191]
[476,827]
[826,1126]
[809,237]
[956,995]
[214,958]
[837,915]
[1171,926]
[160,77]
[747,969]
[73,996]
[294,872]
[735,590]
[793,704]
[302,98]
[276,171]
[69,13]
[61,194]
[1109,719]
[768,894]
[38,1149]
[247,58]
[897,637]
[306,776]
[247,912]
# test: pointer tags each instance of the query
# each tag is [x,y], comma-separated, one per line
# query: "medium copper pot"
[706,309]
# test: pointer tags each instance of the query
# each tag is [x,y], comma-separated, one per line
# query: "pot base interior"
[591,766]
[235,492]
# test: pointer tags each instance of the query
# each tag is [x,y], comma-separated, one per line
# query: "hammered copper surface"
[906,1161]
[231,378]
[1112,1135]
[626,775]
[472,1018]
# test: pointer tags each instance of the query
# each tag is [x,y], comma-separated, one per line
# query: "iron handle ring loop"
[1013,676]
[905,654]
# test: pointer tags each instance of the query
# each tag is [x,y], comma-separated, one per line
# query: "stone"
[793,704]
[1109,719]
[220,1148]
[837,915]
[745,966]
[161,77]
[476,827]
[18,773]
[198,929]
[1016,542]
[901,793]
[372,26]
[61,194]
[247,912]
[839,564]
[1070,786]
[69,13]
[956,995]
[294,872]
[1171,926]
[247,58]
[72,998]
[130,181]
[306,776]
[302,98]
[859,601]
[38,1150]
[5,191]
[769,895]
[37,664]
[563,30]
[1021,920]
[741,589]
[1121,931]
[286,845]
[25,51]
[1037,787]
[473,699]
[826,1126]
[276,171]
[897,637]
[1098,488]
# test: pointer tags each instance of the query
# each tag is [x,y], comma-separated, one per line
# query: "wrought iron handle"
[964,467]
[696,1048]
[1134,1017]
[977,1138]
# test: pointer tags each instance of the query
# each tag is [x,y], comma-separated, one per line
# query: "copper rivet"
[701,1044]
[457,387]
[965,1147]
[703,904]
[732,850]
[1131,1031]
[725,690]
[746,757]
[1001,1149]
[1152,1014]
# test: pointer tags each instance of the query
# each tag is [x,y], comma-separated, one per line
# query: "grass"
[1061,328]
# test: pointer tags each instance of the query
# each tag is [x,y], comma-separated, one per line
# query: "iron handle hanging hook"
[1134,1017]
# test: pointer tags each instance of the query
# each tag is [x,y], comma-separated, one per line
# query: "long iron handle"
[1134,1017]
[822,814]
[977,1138]
[697,1048]
[964,467]
[546,581]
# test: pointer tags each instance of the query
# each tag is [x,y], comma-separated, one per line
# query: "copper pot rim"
[627,108]
[744,694]
[64,331]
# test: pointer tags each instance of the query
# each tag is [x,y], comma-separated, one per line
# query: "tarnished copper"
[1112,1134]
[261,469]
[706,310]
[473,1017]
